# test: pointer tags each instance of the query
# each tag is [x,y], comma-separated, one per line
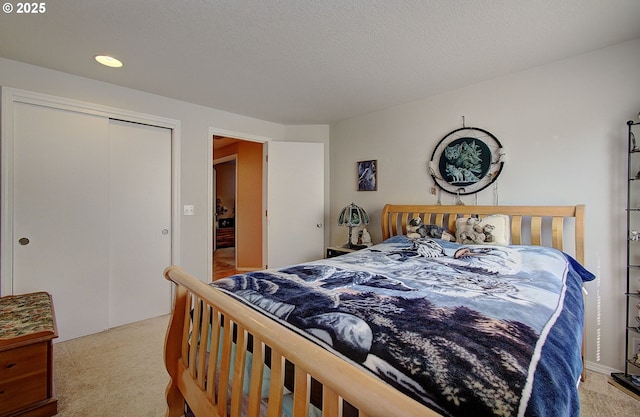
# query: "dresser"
[225,237]
[27,329]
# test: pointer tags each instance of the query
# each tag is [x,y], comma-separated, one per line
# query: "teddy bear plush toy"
[416,229]
[485,230]
[474,232]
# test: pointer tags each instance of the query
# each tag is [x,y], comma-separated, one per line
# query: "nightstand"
[333,251]
[26,355]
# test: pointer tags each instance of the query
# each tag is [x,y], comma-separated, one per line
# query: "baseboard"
[249,269]
[596,367]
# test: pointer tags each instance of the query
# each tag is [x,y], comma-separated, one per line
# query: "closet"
[91,215]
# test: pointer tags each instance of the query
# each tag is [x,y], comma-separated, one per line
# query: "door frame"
[241,136]
[13,95]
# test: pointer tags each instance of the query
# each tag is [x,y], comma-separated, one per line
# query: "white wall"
[195,122]
[564,128]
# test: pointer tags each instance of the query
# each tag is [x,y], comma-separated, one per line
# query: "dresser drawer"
[23,392]
[23,377]
[23,361]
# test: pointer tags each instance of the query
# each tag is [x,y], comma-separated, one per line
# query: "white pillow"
[490,230]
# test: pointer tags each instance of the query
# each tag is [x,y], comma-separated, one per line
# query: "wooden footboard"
[197,339]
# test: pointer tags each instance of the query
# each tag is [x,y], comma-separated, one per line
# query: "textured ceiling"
[310,61]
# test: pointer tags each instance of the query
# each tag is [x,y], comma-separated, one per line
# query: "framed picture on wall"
[368,175]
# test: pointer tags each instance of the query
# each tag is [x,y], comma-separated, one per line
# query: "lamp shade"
[353,216]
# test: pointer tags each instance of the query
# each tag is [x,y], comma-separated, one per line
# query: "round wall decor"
[466,160]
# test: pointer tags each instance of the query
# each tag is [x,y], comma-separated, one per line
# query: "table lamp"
[352,216]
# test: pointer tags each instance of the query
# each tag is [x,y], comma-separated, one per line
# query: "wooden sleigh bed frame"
[197,303]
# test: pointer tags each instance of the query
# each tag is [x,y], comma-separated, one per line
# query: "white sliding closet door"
[139,221]
[90,202]
[60,213]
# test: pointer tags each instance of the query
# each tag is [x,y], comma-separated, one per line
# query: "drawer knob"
[10,365]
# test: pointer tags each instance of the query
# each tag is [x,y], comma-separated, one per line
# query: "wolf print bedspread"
[466,330]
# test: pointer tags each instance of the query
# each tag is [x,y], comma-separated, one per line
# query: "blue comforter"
[466,330]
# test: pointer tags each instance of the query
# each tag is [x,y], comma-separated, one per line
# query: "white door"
[295,203]
[60,213]
[139,221]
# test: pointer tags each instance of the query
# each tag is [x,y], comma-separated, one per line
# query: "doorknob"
[165,231]
[23,241]
[319,225]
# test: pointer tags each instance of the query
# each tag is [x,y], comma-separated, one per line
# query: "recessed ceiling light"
[109,61]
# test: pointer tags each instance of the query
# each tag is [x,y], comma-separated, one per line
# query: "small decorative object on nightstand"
[26,355]
[353,216]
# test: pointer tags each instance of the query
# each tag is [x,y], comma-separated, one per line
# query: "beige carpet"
[116,373]
[598,398]
[120,373]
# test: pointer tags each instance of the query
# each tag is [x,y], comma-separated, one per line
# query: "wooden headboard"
[529,224]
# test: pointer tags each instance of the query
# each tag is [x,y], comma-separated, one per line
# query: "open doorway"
[224,222]
[238,215]
[290,222]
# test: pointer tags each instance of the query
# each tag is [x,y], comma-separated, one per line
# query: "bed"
[411,327]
